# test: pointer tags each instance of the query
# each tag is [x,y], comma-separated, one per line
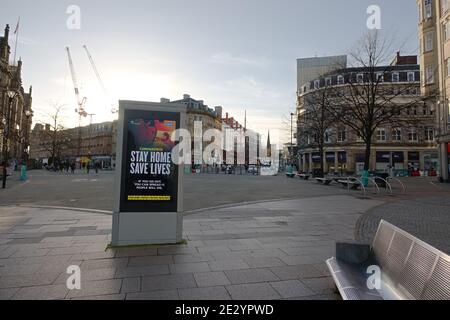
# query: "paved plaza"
[95,191]
[256,248]
[270,250]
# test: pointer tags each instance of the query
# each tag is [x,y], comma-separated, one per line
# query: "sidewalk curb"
[61,208]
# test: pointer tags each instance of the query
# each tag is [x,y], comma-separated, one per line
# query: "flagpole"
[17,40]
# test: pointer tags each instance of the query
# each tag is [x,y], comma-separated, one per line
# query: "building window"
[429,75]
[395,77]
[340,79]
[342,135]
[381,135]
[428,10]
[380,77]
[360,78]
[359,138]
[327,137]
[317,84]
[447,64]
[429,134]
[397,135]
[447,30]
[412,135]
[444,5]
[411,77]
[428,41]
[328,82]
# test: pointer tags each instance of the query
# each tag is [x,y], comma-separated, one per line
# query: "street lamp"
[6,133]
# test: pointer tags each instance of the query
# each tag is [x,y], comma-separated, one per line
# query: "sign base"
[140,228]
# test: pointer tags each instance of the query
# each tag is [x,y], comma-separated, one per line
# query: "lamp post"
[6,134]
[23,171]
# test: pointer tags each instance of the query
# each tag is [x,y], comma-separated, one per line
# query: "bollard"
[23,173]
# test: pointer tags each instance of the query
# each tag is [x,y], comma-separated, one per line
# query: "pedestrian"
[72,167]
[88,164]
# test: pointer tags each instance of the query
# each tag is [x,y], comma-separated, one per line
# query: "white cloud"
[226,58]
[247,86]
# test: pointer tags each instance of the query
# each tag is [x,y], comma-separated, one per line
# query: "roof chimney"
[186,96]
[165,100]
[7,33]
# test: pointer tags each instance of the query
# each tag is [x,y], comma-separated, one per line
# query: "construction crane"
[97,74]
[80,102]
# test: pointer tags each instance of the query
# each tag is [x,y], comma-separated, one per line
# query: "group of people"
[71,165]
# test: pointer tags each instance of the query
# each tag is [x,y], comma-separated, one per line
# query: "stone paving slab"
[270,250]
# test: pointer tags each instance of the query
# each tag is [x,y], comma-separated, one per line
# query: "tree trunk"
[368,152]
[321,159]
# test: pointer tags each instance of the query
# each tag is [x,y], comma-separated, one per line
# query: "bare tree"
[367,101]
[55,140]
[316,122]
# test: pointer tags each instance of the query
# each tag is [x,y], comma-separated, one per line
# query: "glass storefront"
[431,163]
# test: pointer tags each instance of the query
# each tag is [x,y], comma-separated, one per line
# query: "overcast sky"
[240,54]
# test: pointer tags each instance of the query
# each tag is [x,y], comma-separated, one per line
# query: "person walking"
[72,167]
[88,165]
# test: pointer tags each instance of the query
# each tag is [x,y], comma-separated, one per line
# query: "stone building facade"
[15,107]
[95,142]
[407,150]
[434,36]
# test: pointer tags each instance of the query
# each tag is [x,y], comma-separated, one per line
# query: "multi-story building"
[434,35]
[311,68]
[93,142]
[198,111]
[410,149]
[15,107]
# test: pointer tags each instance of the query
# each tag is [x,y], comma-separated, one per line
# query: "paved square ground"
[269,250]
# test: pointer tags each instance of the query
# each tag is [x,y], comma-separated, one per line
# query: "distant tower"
[269,148]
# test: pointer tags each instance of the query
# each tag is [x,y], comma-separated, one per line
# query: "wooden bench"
[354,185]
[303,176]
[325,181]
[409,269]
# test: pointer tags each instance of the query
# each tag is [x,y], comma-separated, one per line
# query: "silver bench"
[410,268]
[303,176]
[324,181]
[350,183]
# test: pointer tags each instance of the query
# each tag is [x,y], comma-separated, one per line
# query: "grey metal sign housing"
[148,188]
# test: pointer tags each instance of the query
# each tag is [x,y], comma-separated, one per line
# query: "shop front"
[383,160]
[414,163]
[342,162]
[330,158]
[431,163]
[398,164]
[359,163]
